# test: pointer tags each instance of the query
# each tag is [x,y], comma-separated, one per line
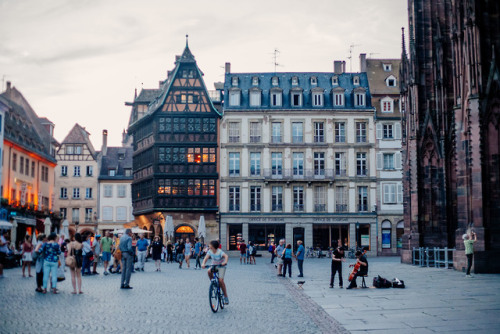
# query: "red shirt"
[243,249]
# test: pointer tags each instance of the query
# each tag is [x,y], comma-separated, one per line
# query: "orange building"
[28,164]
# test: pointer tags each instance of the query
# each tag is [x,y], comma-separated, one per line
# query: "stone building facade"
[451,96]
[298,159]
[383,77]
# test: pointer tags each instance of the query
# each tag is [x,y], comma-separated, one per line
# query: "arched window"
[386,234]
[399,233]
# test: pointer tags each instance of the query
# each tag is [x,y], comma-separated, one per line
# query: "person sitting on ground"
[363,269]
[219,259]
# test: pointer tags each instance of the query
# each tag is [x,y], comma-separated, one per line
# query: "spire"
[187,56]
[403,45]
[187,37]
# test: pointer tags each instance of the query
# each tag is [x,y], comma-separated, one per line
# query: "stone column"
[308,235]
[352,235]
[289,232]
[244,231]
[223,235]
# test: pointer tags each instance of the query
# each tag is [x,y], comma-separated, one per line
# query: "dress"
[157,247]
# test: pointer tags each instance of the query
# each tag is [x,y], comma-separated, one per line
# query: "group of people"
[285,256]
[338,257]
[247,252]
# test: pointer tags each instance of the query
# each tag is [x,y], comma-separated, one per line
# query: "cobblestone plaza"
[176,301]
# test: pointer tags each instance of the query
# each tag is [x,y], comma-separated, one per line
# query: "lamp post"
[357,236]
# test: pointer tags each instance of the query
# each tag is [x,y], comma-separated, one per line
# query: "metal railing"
[433,257]
[298,174]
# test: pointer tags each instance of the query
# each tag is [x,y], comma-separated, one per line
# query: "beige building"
[76,181]
[383,77]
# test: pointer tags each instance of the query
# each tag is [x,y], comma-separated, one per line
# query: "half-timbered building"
[76,181]
[175,161]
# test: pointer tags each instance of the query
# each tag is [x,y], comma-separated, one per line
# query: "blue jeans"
[50,268]
[86,265]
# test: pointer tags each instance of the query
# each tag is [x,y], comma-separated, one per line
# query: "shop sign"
[386,238]
[365,240]
[263,219]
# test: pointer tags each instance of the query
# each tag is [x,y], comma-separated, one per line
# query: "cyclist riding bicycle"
[219,259]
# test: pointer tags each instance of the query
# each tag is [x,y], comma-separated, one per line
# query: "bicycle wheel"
[213,297]
[221,299]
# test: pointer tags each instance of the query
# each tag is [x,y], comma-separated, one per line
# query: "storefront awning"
[26,221]
[5,225]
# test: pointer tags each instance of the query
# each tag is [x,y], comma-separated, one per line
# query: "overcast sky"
[79,61]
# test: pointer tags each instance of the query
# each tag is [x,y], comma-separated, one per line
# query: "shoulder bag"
[70,259]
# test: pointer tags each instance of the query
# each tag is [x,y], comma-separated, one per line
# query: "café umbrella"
[47,223]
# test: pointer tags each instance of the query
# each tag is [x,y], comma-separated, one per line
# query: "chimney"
[337,66]
[7,90]
[124,137]
[228,67]
[104,148]
[362,62]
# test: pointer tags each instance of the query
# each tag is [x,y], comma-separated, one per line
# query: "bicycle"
[215,294]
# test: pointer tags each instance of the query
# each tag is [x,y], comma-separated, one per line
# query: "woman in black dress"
[156,249]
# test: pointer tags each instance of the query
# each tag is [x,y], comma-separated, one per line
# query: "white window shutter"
[400,193]
[379,131]
[397,162]
[397,130]
[380,161]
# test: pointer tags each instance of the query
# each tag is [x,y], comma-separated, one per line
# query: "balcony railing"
[255,139]
[341,208]
[340,172]
[276,139]
[298,207]
[277,207]
[234,207]
[319,207]
[297,139]
[298,174]
[255,207]
[234,139]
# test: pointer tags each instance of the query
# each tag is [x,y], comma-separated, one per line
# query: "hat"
[98,236]
[465,236]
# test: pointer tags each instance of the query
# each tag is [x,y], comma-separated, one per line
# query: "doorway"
[298,234]
[183,232]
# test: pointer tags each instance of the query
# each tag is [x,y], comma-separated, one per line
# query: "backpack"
[381,283]
[398,284]
[254,250]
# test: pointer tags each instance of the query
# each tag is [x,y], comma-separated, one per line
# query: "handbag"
[71,260]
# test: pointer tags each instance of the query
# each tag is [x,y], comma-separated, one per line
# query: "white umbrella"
[65,230]
[47,223]
[202,230]
[119,231]
[5,225]
[169,230]
[139,230]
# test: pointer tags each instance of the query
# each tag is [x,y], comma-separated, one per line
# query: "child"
[219,259]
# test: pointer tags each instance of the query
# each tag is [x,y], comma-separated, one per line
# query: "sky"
[80,61]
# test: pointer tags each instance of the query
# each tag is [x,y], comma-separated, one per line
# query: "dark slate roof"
[147,95]
[112,161]
[324,81]
[23,127]
[78,135]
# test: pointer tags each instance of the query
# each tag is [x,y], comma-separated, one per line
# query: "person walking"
[4,249]
[127,258]
[106,244]
[170,252]
[50,253]
[42,239]
[337,259]
[96,249]
[300,258]
[279,254]
[271,249]
[142,252]
[26,254]
[469,250]
[87,253]
[180,253]
[75,249]
[156,248]
[197,253]
[187,251]
[287,260]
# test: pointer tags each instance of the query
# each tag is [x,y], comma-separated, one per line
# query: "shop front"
[323,232]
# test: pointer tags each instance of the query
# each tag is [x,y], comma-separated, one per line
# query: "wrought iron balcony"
[319,207]
[298,174]
[277,207]
[341,208]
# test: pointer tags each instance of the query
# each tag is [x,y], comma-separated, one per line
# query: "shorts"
[106,256]
[118,255]
[243,254]
[222,271]
[280,261]
[96,259]
[180,257]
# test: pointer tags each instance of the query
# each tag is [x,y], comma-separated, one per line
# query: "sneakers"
[331,286]
[106,273]
[226,301]
[469,276]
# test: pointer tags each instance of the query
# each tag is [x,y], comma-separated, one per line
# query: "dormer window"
[317,99]
[234,81]
[387,67]
[391,81]
[255,81]
[255,98]
[275,81]
[275,97]
[296,99]
[234,98]
[335,80]
[387,105]
[295,81]
[355,81]
[314,81]
[359,99]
